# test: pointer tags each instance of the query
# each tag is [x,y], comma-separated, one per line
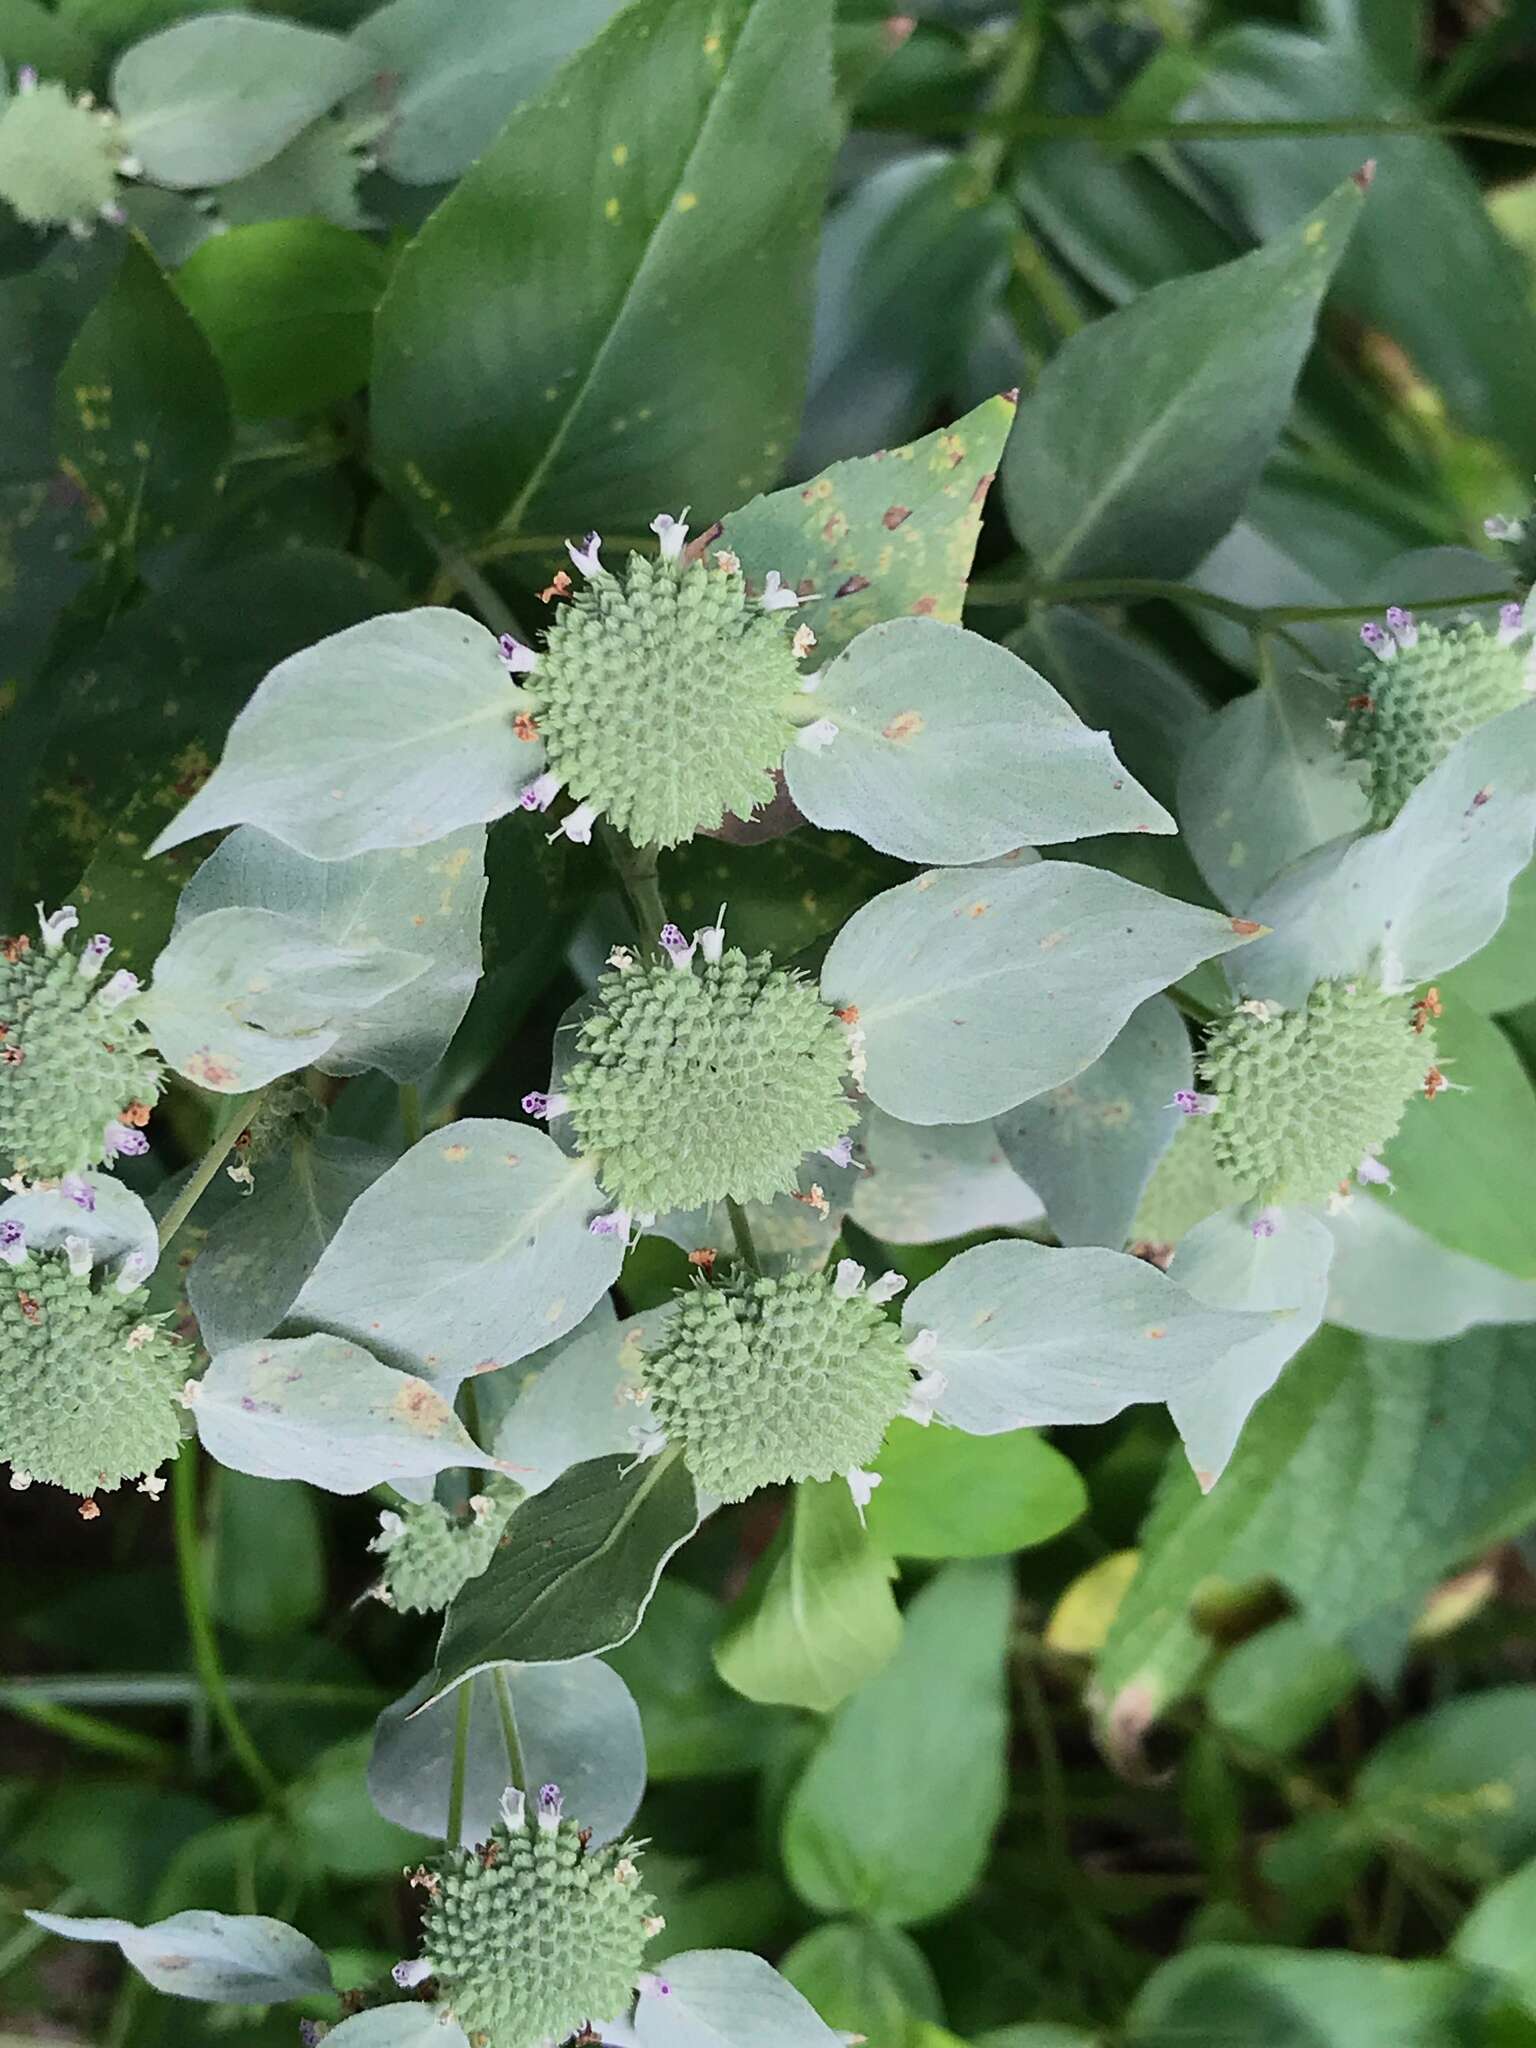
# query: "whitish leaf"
[579,1566]
[425,900]
[116,1224]
[945,1494]
[884,535]
[1364,1475]
[949,748]
[1265,782]
[572,1725]
[870,1790]
[929,1181]
[725,1998]
[458,75]
[1107,471]
[320,1409]
[1284,1278]
[399,2026]
[225,1958]
[209,99]
[818,1617]
[392,733]
[640,278]
[1412,901]
[1025,1335]
[977,990]
[1280,1998]
[582,1403]
[263,1248]
[1089,1147]
[242,996]
[473,1250]
[1390,1280]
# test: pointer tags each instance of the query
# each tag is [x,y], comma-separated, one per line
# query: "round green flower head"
[768,1380]
[1427,688]
[429,1554]
[60,159]
[88,1383]
[705,1075]
[1187,1185]
[77,1074]
[535,1932]
[76,1070]
[666,694]
[1300,1100]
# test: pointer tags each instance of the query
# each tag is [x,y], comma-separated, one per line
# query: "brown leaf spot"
[211,1069]
[925,607]
[455,1153]
[1245,927]
[905,725]
[851,585]
[983,485]
[893,516]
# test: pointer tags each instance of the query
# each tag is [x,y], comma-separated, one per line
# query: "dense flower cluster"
[429,1554]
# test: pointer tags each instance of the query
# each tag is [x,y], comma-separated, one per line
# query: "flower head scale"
[665,695]
[772,1379]
[535,1931]
[706,1079]
[1428,687]
[74,1061]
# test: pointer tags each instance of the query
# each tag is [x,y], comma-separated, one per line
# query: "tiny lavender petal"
[539,794]
[1402,626]
[13,1243]
[1511,624]
[840,1154]
[1189,1102]
[1381,644]
[122,1141]
[411,1973]
[675,946]
[1371,1173]
[587,557]
[74,1187]
[118,989]
[94,957]
[521,660]
[544,1107]
[1266,1223]
[672,533]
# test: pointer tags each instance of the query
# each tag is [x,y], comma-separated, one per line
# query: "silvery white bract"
[224,1958]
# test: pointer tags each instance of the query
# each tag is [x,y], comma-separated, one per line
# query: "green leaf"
[943,969]
[1503,975]
[242,996]
[472,1251]
[122,891]
[41,312]
[288,308]
[581,1402]
[1496,1934]
[945,1494]
[949,748]
[320,1409]
[632,254]
[1144,473]
[461,73]
[260,1252]
[140,413]
[223,1958]
[1390,1280]
[210,99]
[269,1578]
[863,1979]
[1275,1690]
[1457,1787]
[1370,1470]
[884,535]
[424,901]
[695,1727]
[1089,1147]
[575,1726]
[1464,1165]
[871,1793]
[1216,1997]
[725,1998]
[931,1181]
[579,1565]
[817,1618]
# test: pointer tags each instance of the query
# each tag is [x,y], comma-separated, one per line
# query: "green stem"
[1015,76]
[235,1119]
[517,1770]
[1192,1007]
[87,1731]
[178,1690]
[460,1767]
[1299,614]
[743,1234]
[410,1113]
[1119,132]
[457,572]
[1092,588]
[29,1937]
[637,870]
[200,1630]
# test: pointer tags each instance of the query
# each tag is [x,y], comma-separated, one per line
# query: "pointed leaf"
[1028,1336]
[392,733]
[1145,473]
[399,2026]
[725,1998]
[579,1566]
[945,1494]
[818,1617]
[949,748]
[224,1958]
[883,535]
[319,1409]
[929,1181]
[575,1726]
[242,996]
[472,1251]
[582,1403]
[977,990]
[548,343]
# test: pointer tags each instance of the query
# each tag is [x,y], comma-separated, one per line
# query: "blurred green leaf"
[695,1727]
[1273,1998]
[865,1979]
[945,1494]
[1456,1787]
[269,1575]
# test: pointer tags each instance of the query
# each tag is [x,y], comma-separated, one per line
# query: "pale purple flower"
[840,1154]
[55,927]
[775,597]
[672,533]
[94,956]
[26,78]
[1266,1223]
[122,1141]
[1402,626]
[539,794]
[1189,1102]
[544,1107]
[818,736]
[13,1243]
[411,1973]
[521,660]
[577,825]
[74,1187]
[1380,643]
[587,557]
[1500,528]
[113,213]
[675,946]
[118,989]
[1372,1174]
[615,1223]
[550,1803]
[1511,624]
[133,1272]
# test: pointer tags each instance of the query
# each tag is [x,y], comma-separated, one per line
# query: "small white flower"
[117,989]
[55,927]
[818,736]
[850,1278]
[391,1529]
[20,1480]
[514,1809]
[775,597]
[139,1336]
[621,959]
[577,825]
[727,563]
[711,939]
[927,1392]
[411,1973]
[133,1271]
[672,533]
[649,1443]
[587,557]
[78,1252]
[887,1287]
[922,1348]
[153,1484]
[862,1486]
[803,642]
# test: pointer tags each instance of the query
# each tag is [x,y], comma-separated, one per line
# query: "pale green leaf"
[945,1494]
[1496,1934]
[725,1998]
[223,1958]
[1457,1786]
[864,1979]
[1389,1280]
[929,1181]
[582,1403]
[1216,1997]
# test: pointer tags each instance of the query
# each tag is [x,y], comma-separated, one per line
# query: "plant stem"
[90,1732]
[200,1630]
[410,1113]
[1010,94]
[225,1133]
[457,572]
[460,1766]
[743,1234]
[1191,1006]
[1118,132]
[636,867]
[516,1768]
[178,1690]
